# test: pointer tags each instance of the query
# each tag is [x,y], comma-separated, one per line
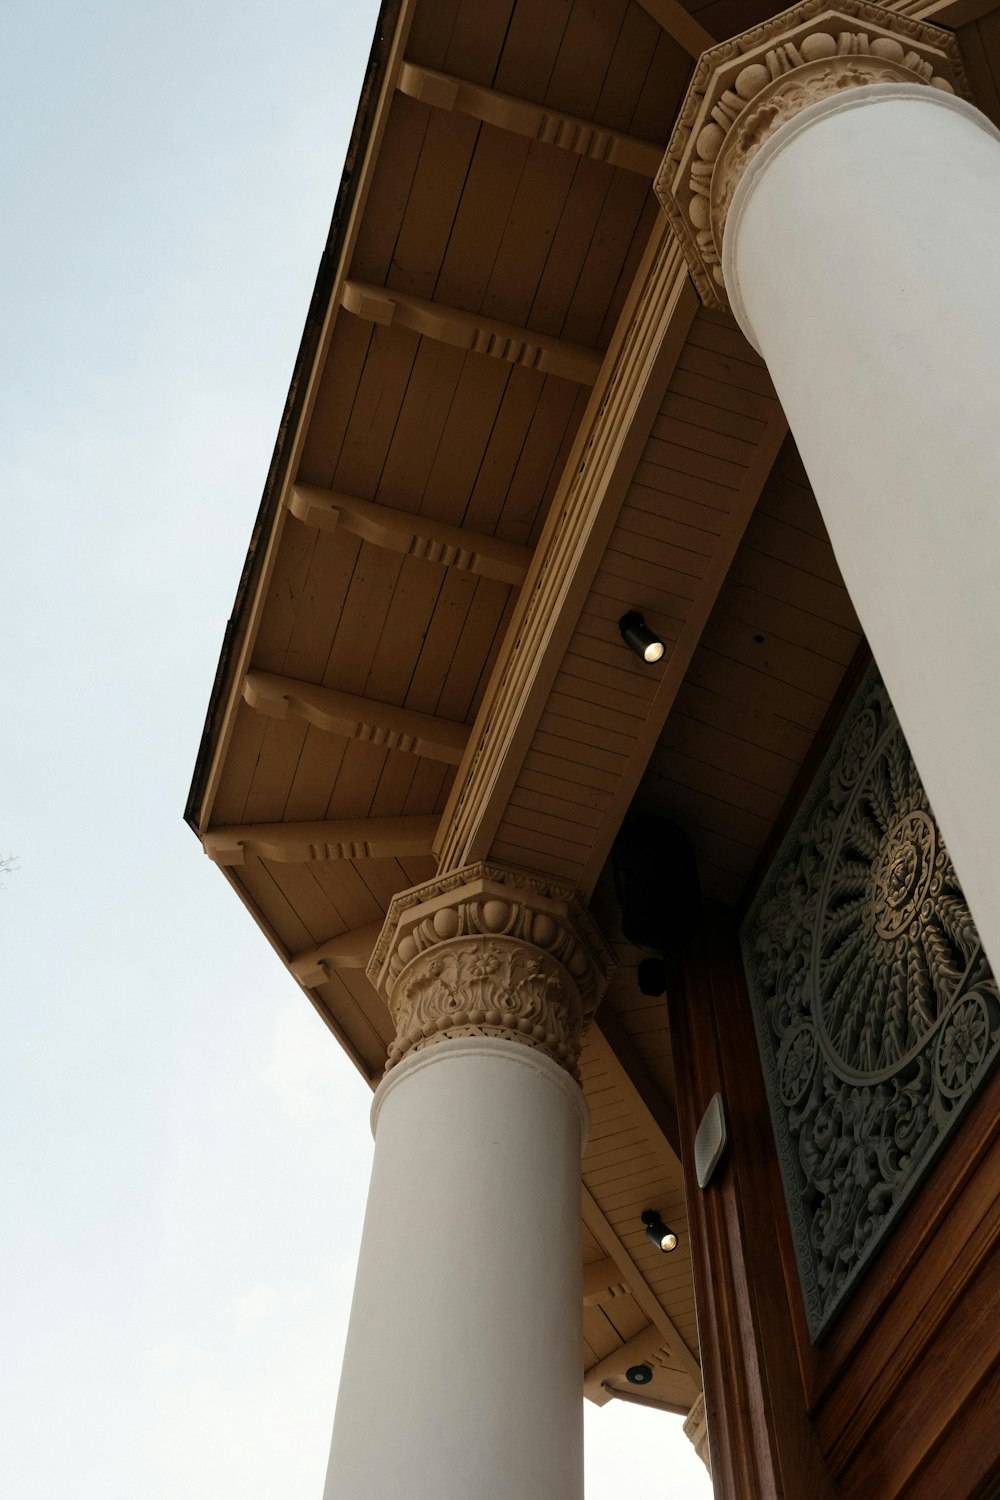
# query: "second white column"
[462,1376]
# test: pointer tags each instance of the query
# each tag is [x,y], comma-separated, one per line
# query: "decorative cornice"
[489,951]
[745,89]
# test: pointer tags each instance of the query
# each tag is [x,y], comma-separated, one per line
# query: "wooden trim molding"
[356,717]
[472,331]
[413,535]
[950,13]
[535,121]
[762,1441]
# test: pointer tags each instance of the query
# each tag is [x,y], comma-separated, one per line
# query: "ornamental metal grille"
[876,1011]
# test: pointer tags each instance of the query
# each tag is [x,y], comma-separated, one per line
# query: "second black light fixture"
[637,634]
[662,1237]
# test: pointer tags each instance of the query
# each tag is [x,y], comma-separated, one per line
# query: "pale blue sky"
[183,1149]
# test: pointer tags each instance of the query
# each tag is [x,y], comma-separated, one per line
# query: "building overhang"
[510,422]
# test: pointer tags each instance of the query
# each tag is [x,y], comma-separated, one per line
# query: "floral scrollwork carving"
[744,89]
[877,1013]
[490,951]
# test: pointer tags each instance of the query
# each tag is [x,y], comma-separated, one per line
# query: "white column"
[462,1377]
[463,1374]
[862,258]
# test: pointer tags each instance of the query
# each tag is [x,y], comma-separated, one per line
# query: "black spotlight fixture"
[637,634]
[663,1238]
[639,1374]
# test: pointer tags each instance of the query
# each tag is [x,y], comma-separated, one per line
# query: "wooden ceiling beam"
[415,536]
[680,24]
[538,123]
[602,1282]
[636,1400]
[637,1350]
[356,717]
[681,1357]
[472,331]
[351,950]
[343,838]
[648,1346]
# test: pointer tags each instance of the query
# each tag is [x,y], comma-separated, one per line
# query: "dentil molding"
[746,88]
[490,951]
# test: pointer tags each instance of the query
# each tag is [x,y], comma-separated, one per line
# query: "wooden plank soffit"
[351,950]
[608,1039]
[343,838]
[680,656]
[535,121]
[415,536]
[643,353]
[358,718]
[680,24]
[681,1357]
[302,400]
[465,330]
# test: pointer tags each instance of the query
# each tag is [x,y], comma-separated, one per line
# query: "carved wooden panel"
[877,1014]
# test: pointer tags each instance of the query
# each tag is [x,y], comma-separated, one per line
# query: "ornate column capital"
[744,89]
[490,951]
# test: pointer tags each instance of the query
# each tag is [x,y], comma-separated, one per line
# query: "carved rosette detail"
[489,951]
[876,1010]
[746,88]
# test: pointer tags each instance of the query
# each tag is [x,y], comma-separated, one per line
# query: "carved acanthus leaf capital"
[490,951]
[744,89]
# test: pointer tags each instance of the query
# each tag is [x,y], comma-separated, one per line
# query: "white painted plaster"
[462,1375]
[862,251]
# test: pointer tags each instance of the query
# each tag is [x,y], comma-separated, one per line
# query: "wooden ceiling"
[510,422]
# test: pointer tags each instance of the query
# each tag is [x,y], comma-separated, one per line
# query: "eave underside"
[492,358]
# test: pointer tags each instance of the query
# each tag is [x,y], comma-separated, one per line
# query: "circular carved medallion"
[893,937]
[902,874]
